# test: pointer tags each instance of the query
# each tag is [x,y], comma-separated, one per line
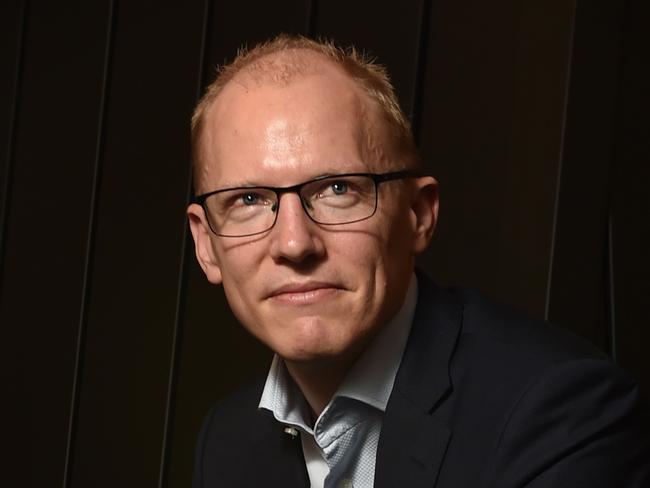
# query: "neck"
[318,382]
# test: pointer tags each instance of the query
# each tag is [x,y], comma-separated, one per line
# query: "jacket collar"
[413,441]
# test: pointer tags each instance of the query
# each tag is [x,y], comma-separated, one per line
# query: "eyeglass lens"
[334,200]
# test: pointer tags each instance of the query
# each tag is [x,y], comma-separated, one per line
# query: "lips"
[304,293]
[302,287]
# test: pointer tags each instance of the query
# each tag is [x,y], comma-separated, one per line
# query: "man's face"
[310,292]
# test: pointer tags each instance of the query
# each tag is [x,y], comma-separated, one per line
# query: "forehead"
[277,89]
[318,116]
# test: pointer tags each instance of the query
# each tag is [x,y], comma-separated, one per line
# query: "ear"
[424,208]
[205,253]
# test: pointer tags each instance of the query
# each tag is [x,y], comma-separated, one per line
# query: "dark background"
[533,115]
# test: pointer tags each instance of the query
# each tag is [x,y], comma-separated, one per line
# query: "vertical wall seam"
[611,297]
[421,58]
[312,16]
[11,146]
[558,182]
[610,282]
[174,362]
[90,241]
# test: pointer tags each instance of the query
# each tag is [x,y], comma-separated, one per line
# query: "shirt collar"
[370,380]
[283,398]
[372,377]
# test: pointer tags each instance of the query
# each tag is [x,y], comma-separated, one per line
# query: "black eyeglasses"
[327,200]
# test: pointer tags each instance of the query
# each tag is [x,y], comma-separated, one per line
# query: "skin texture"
[315,295]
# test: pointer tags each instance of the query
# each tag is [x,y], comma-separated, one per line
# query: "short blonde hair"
[372,78]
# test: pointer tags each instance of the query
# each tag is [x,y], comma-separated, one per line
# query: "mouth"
[304,293]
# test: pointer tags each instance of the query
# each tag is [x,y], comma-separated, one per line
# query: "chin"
[314,339]
[306,358]
[308,352]
[321,352]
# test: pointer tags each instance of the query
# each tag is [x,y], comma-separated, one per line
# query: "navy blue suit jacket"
[482,398]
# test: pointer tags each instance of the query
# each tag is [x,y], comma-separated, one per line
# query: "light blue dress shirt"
[341,446]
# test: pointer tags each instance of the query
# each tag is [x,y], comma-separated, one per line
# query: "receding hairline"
[284,67]
[285,59]
[295,65]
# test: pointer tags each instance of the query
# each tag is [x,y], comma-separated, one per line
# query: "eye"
[339,187]
[250,198]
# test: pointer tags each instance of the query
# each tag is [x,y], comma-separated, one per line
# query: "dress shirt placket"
[340,433]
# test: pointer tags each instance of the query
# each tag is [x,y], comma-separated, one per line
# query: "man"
[311,210]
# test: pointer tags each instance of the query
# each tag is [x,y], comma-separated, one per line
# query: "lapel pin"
[291,431]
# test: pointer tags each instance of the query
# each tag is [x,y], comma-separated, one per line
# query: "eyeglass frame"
[377,179]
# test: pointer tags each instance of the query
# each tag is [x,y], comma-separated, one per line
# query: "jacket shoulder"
[528,400]
[504,328]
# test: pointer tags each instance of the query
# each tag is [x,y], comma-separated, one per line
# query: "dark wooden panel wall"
[532,115]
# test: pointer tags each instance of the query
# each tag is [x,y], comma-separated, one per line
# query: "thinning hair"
[260,64]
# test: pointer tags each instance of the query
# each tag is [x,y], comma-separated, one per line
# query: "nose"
[295,237]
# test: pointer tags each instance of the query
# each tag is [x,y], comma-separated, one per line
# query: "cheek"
[365,259]
[240,264]
[396,243]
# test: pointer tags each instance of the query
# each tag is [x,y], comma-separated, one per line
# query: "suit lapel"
[413,441]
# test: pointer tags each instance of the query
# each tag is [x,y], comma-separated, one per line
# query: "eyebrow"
[254,184]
